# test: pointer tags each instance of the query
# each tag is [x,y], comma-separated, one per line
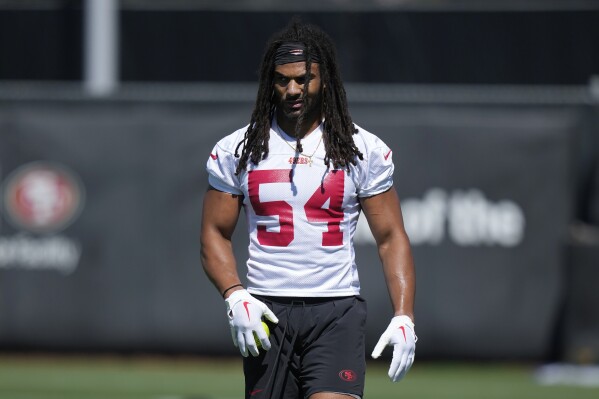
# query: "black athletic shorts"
[317,346]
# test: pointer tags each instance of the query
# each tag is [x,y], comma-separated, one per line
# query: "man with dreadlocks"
[303,171]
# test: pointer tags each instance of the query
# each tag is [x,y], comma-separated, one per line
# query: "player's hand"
[401,335]
[245,318]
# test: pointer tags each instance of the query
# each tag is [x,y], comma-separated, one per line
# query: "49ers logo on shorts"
[43,197]
[348,375]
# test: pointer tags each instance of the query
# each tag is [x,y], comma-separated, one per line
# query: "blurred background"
[109,109]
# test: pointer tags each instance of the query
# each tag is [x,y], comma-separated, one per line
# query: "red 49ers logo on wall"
[43,197]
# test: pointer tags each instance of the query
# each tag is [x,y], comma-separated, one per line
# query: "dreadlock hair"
[340,149]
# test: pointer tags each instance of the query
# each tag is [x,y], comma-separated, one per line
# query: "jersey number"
[331,189]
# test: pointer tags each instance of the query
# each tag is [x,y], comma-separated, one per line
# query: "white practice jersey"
[301,215]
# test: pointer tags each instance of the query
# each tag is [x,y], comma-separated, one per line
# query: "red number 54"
[331,189]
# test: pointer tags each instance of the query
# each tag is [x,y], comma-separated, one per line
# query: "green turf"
[469,381]
[27,377]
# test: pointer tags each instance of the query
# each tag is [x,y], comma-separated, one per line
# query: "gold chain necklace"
[301,153]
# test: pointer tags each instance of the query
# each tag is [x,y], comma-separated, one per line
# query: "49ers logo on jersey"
[300,161]
[348,375]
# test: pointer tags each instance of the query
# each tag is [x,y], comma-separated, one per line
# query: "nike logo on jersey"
[255,391]
[245,305]
[214,156]
[403,330]
[387,156]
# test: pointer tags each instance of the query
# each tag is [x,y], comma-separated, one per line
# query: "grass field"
[37,377]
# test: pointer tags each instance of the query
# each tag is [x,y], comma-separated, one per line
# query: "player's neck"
[288,126]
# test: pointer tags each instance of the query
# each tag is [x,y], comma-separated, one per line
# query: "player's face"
[289,86]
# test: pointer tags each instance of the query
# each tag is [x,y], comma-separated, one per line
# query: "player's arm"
[383,213]
[219,217]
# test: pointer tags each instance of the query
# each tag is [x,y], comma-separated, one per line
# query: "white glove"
[245,319]
[401,335]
